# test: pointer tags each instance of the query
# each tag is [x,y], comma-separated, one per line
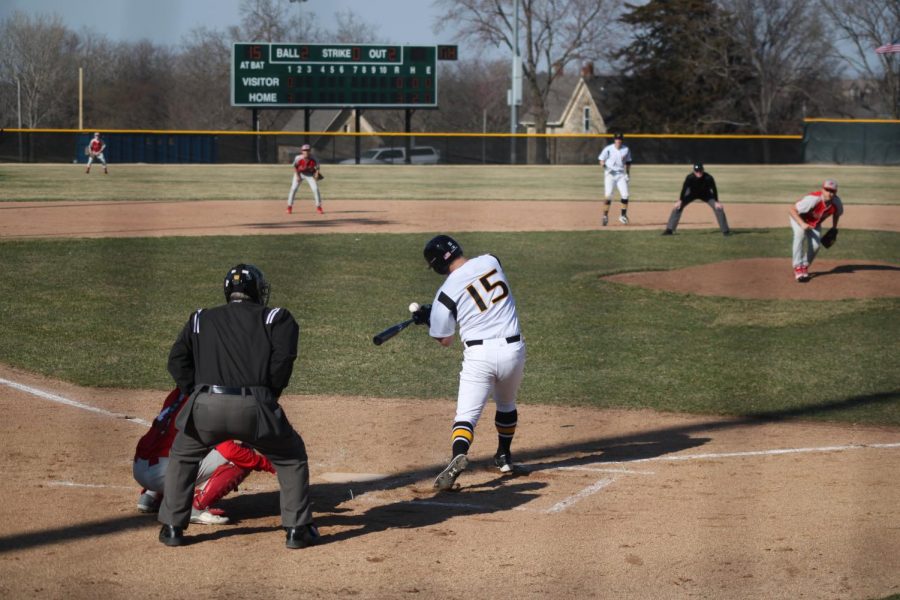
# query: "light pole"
[515,92]
[19,111]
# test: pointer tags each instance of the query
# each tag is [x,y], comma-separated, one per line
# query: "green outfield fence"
[868,142]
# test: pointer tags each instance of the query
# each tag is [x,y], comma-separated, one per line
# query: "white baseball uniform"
[615,161]
[813,210]
[476,296]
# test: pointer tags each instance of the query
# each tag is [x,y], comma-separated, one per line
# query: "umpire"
[698,185]
[237,358]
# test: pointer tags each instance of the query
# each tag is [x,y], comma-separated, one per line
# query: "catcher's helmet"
[248,280]
[440,251]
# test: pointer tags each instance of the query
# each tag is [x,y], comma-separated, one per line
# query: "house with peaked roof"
[573,104]
[326,148]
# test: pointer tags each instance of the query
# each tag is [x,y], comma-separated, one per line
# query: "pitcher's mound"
[773,278]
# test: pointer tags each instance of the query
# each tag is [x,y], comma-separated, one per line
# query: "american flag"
[888,48]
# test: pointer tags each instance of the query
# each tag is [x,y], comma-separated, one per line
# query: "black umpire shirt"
[702,188]
[237,344]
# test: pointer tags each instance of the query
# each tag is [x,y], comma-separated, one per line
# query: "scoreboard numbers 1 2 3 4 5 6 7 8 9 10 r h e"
[321,75]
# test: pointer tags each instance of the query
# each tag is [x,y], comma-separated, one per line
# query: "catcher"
[95,152]
[306,168]
[221,471]
[807,216]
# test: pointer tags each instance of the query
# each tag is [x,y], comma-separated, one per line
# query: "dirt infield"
[634,504]
[130,219]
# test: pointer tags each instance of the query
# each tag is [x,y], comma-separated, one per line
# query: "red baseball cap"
[830,185]
[305,147]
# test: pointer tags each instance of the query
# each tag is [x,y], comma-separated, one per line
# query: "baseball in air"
[413,307]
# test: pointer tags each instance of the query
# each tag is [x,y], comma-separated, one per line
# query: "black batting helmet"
[248,280]
[440,251]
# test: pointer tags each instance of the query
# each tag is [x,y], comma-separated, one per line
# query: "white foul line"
[774,452]
[591,489]
[87,485]
[67,401]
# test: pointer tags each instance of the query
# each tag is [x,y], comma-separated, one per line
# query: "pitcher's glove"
[319,176]
[830,237]
[423,315]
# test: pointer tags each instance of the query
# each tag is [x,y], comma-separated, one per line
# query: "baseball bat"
[390,332]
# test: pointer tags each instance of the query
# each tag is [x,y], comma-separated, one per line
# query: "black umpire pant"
[216,418]
[675,216]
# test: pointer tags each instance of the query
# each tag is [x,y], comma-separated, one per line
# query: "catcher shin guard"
[506,429]
[462,436]
[226,478]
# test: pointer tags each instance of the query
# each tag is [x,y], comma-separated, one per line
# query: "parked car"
[418,155]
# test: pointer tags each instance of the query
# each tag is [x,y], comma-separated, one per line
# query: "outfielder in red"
[807,216]
[306,168]
[95,150]
[221,471]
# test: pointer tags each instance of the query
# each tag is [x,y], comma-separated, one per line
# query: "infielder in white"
[616,162]
[476,296]
[807,216]
[306,168]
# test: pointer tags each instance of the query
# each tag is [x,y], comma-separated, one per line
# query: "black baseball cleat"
[171,535]
[302,536]
[667,232]
[447,477]
[504,462]
[726,233]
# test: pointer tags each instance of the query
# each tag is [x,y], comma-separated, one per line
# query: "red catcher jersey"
[307,166]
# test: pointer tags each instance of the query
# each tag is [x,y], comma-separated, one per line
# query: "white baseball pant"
[313,185]
[807,243]
[615,179]
[493,368]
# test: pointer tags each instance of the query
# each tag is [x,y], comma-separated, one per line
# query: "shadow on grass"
[500,494]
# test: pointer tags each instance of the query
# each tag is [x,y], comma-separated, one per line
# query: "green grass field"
[649,183]
[105,312]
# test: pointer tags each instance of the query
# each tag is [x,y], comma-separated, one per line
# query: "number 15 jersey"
[477,297]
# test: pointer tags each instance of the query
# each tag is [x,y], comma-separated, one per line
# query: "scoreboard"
[268,75]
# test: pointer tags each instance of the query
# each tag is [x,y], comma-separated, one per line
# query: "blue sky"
[166,21]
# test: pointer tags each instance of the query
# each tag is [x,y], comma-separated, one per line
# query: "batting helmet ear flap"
[440,251]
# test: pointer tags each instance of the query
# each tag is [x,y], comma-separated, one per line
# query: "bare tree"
[40,53]
[786,62]
[863,27]
[556,34]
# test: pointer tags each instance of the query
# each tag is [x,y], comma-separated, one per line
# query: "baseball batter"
[615,160]
[476,296]
[306,168]
[221,471]
[807,216]
[95,151]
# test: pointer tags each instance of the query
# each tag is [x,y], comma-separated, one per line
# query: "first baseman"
[615,160]
[306,168]
[95,150]
[476,296]
[807,216]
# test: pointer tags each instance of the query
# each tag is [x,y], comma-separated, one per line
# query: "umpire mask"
[248,281]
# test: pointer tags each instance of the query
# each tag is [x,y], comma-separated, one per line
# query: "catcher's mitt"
[319,176]
[830,237]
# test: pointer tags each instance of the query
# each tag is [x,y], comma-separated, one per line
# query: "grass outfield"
[105,312]
[653,183]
